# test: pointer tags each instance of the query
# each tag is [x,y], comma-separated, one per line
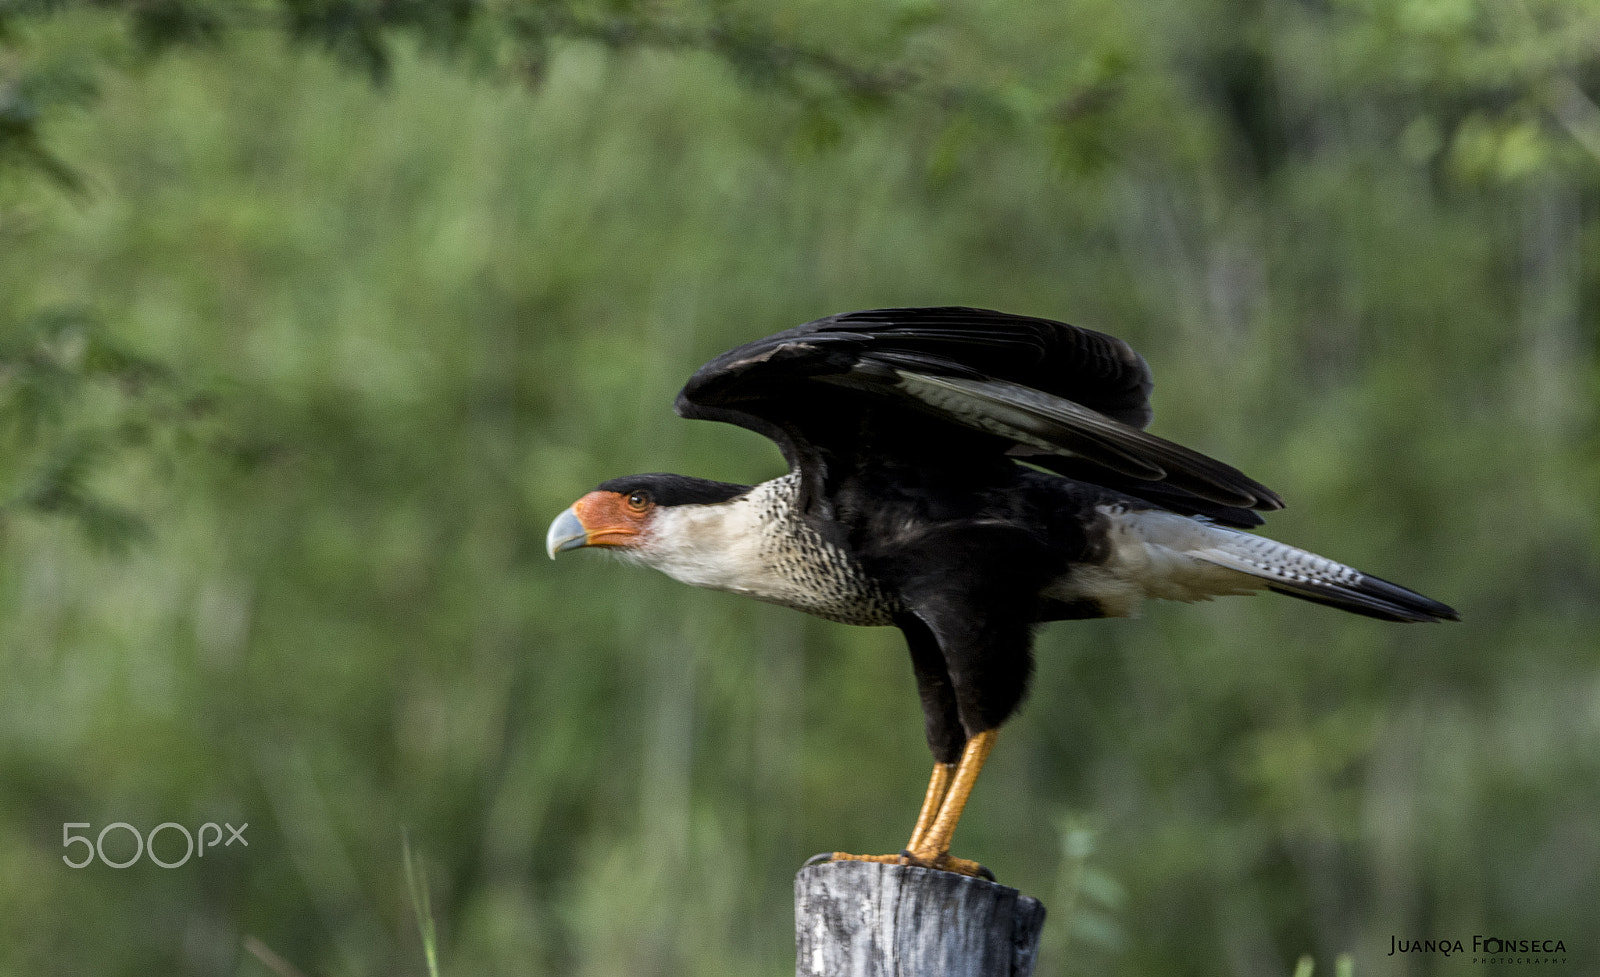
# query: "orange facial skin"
[613,519]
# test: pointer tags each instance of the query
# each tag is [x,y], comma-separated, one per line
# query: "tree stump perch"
[865,919]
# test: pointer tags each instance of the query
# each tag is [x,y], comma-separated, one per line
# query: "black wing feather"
[1024,384]
[1081,365]
[1163,494]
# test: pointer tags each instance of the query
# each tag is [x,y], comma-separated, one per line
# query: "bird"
[963,475]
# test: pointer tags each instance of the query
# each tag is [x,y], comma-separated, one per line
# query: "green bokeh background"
[294,382]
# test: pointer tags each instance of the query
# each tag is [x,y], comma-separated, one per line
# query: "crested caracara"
[961,475]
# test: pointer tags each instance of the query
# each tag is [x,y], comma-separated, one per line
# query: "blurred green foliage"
[296,366]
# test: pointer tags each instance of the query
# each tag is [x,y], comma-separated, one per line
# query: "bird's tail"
[1318,579]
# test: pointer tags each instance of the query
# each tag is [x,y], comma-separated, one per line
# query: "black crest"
[665,489]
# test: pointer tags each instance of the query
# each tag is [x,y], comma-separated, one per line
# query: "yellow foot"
[943,862]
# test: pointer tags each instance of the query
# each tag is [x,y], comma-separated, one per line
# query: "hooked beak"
[566,533]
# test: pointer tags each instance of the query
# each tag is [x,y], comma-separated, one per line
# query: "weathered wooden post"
[865,919]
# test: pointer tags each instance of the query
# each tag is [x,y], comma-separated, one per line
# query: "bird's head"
[639,516]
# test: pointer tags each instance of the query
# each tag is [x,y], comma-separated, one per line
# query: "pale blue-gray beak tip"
[566,533]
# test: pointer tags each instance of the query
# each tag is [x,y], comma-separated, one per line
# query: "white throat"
[717,546]
[758,545]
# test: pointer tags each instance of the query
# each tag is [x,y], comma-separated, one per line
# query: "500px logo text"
[146,844]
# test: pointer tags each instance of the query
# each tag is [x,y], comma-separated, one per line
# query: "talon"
[840,856]
[946,862]
[940,862]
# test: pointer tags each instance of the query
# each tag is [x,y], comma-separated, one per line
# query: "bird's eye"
[639,501]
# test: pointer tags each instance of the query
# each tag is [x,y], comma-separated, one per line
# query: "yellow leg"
[938,786]
[935,848]
[948,790]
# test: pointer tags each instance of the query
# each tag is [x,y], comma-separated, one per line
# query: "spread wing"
[1063,397]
